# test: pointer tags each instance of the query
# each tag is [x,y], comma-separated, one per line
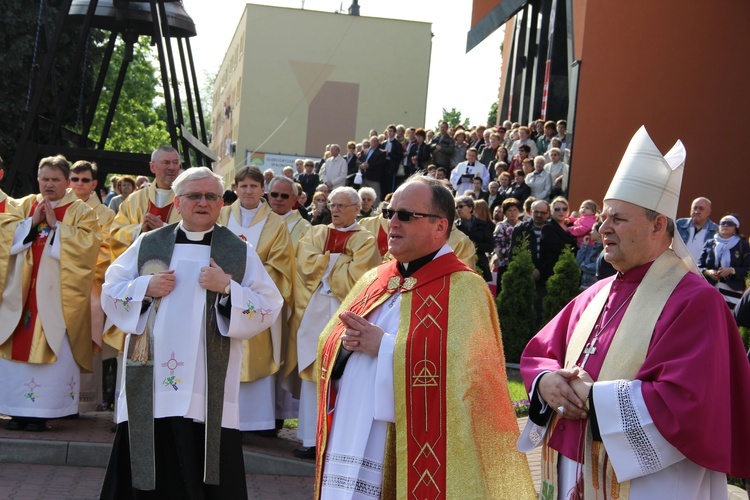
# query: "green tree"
[453,117]
[139,124]
[562,286]
[515,304]
[492,115]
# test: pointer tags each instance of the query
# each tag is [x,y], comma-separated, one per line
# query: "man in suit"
[373,164]
[309,180]
[394,154]
[352,163]
[494,199]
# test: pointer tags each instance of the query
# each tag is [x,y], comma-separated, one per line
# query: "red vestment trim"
[162,213]
[382,241]
[336,240]
[2,206]
[24,332]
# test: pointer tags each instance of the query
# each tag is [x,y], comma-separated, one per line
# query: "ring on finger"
[561,409]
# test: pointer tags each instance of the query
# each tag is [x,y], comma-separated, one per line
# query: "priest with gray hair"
[187,295]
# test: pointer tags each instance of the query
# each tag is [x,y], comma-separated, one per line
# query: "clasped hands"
[567,388]
[360,334]
[211,277]
[150,222]
[44,211]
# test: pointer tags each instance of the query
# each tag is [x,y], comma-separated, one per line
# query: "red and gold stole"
[24,332]
[2,206]
[426,370]
[336,240]
[162,213]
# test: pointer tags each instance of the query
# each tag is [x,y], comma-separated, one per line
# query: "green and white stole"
[154,254]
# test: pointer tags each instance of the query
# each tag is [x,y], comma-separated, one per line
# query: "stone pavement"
[68,461]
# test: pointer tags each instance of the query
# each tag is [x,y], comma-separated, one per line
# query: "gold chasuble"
[127,223]
[458,241]
[262,354]
[455,431]
[32,332]
[297,226]
[10,216]
[359,255]
[105,216]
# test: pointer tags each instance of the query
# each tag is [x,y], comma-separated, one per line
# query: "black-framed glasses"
[85,180]
[405,215]
[196,197]
[727,223]
[561,209]
[460,206]
[284,196]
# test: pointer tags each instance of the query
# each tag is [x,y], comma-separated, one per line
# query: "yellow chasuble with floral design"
[455,431]
[80,239]
[458,241]
[262,354]
[127,223]
[359,256]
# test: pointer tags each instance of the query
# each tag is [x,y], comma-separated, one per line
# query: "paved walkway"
[68,461]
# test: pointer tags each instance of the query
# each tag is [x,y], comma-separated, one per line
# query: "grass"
[518,397]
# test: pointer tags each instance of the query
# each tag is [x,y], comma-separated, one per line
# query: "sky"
[467,82]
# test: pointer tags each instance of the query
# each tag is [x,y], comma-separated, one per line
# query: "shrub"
[515,304]
[562,286]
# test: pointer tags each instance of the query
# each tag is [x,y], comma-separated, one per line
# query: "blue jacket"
[683,226]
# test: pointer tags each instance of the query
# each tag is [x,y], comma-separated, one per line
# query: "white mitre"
[650,180]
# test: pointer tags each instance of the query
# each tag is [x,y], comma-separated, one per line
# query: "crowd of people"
[331,293]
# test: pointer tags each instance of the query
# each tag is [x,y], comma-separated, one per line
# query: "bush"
[515,304]
[562,286]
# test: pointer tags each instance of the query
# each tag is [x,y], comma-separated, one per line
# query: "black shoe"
[306,453]
[36,426]
[268,433]
[15,425]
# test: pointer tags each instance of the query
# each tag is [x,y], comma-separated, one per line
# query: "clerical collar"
[286,215]
[193,237]
[347,228]
[162,195]
[635,274]
[412,267]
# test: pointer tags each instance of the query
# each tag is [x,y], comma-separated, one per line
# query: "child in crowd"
[587,256]
[581,226]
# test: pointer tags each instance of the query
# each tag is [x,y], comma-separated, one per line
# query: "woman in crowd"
[725,260]
[479,232]
[502,236]
[459,150]
[555,237]
[126,186]
[320,213]
[368,208]
[482,210]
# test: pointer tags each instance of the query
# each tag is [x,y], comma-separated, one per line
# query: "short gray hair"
[348,191]
[283,180]
[194,174]
[163,149]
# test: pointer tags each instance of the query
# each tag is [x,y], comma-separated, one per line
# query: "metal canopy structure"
[168,25]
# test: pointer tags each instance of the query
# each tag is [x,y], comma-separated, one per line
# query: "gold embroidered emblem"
[393,283]
[425,374]
[409,283]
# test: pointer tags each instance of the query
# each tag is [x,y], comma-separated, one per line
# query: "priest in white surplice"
[639,387]
[251,218]
[187,295]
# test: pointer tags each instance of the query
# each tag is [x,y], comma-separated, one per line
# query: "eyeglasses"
[167,163]
[284,196]
[727,223]
[339,206]
[405,215]
[460,206]
[561,209]
[85,180]
[196,197]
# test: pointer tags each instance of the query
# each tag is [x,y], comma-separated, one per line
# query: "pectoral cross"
[588,351]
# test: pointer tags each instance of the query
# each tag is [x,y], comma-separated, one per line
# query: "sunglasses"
[284,196]
[85,180]
[561,209]
[405,215]
[196,197]
[727,223]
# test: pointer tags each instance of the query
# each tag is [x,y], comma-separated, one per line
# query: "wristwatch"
[228,288]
